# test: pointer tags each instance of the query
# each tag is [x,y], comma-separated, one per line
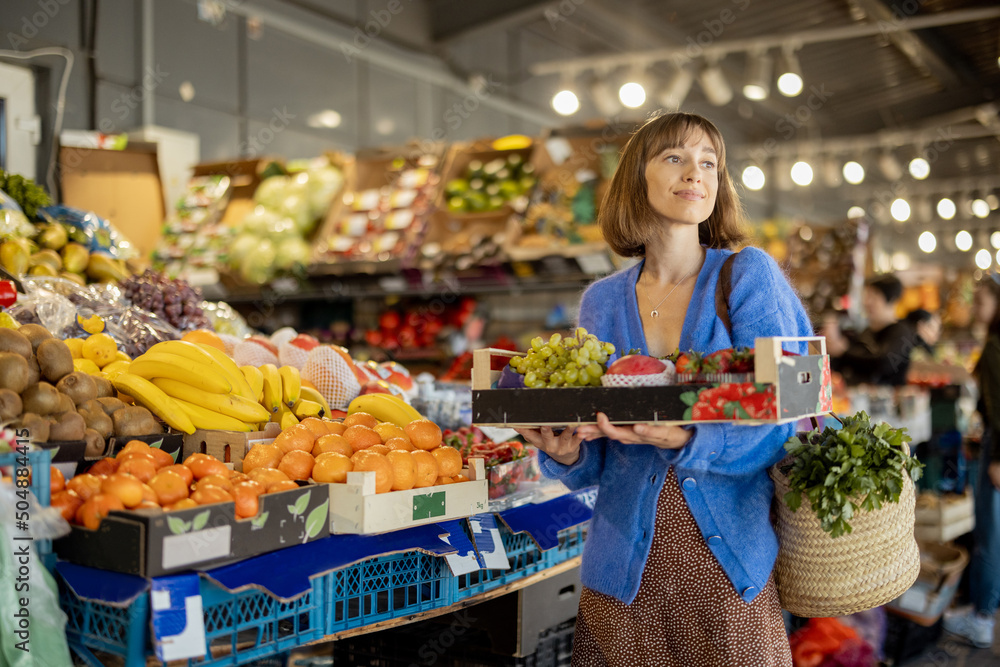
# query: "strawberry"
[718,362]
[688,362]
[742,361]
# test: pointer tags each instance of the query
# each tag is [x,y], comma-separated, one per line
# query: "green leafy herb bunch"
[859,466]
[29,195]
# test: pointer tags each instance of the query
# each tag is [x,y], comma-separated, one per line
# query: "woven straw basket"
[818,575]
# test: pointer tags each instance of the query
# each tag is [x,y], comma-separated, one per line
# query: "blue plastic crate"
[39,462]
[525,560]
[385,587]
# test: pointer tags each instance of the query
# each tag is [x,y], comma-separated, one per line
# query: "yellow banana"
[228,404]
[232,371]
[209,419]
[310,394]
[384,407]
[255,379]
[163,365]
[291,385]
[285,418]
[305,408]
[272,387]
[116,367]
[186,349]
[147,394]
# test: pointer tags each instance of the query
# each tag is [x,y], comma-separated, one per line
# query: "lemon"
[122,356]
[8,322]
[86,366]
[100,348]
[93,324]
[116,366]
[75,346]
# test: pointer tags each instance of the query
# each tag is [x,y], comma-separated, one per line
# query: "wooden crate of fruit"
[782,388]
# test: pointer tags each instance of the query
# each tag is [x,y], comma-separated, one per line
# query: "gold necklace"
[654,313]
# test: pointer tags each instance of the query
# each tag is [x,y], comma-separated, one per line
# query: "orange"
[210,494]
[135,446]
[402,444]
[96,508]
[104,467]
[265,476]
[148,505]
[332,443]
[128,456]
[238,477]
[443,480]
[204,337]
[362,418]
[57,482]
[149,495]
[427,468]
[183,504]
[208,466]
[125,487]
[361,437]
[215,480]
[423,434]
[388,430]
[246,501]
[298,437]
[141,467]
[378,449]
[182,470]
[160,457]
[85,486]
[317,426]
[67,502]
[281,485]
[197,456]
[458,479]
[169,486]
[380,465]
[262,456]
[334,428]
[250,485]
[404,470]
[449,461]
[297,464]
[332,468]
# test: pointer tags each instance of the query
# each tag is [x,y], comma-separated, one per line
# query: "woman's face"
[984,305]
[683,182]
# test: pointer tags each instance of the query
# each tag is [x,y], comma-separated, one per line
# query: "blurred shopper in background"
[926,326]
[976,623]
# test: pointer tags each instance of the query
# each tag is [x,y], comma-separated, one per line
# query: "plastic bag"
[13,222]
[98,234]
[225,319]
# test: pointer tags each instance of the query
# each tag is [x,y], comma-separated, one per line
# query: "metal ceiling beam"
[476,17]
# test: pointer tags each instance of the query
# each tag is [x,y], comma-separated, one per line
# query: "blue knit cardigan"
[723,468]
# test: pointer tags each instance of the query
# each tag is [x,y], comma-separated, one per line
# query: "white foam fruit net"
[332,377]
[651,380]
[253,354]
[230,342]
[292,355]
[283,335]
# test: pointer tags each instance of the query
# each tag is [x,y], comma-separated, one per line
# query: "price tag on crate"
[465,560]
[492,555]
[178,618]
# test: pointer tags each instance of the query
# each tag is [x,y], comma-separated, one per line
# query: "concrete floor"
[952,651]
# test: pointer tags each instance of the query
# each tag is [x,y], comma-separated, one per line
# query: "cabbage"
[291,253]
[272,191]
[242,246]
[323,186]
[258,265]
[296,207]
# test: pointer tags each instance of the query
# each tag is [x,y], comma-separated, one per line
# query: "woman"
[976,624]
[677,565]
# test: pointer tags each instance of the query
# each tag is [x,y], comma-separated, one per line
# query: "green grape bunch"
[574,361]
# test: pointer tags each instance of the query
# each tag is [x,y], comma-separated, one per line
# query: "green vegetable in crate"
[859,466]
[29,196]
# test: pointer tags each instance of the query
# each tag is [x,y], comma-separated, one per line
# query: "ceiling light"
[855,212]
[984,259]
[753,177]
[927,242]
[900,210]
[980,208]
[995,240]
[676,90]
[327,118]
[790,80]
[854,173]
[919,168]
[566,103]
[946,209]
[757,80]
[890,166]
[604,97]
[900,261]
[963,241]
[998,256]
[632,95]
[802,173]
[715,85]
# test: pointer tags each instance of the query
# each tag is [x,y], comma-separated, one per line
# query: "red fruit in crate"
[636,364]
[742,361]
[389,320]
[390,342]
[688,362]
[376,387]
[260,340]
[407,336]
[720,361]
[373,337]
[413,319]
[304,341]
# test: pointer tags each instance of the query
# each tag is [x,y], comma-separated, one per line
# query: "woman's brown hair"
[628,221]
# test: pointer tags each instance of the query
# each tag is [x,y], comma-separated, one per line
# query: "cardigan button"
[689,483]
[714,540]
[712,456]
[749,591]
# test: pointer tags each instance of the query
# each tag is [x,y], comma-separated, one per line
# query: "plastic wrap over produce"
[13,222]
[93,231]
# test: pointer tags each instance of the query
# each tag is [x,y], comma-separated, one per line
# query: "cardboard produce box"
[784,389]
[228,446]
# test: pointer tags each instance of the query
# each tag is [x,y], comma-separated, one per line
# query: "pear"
[75,257]
[14,258]
[47,257]
[53,236]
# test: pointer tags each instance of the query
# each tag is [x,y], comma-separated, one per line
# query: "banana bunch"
[385,408]
[192,386]
[281,392]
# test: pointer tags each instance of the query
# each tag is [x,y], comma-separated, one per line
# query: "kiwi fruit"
[40,398]
[110,404]
[38,426]
[65,402]
[135,420]
[104,387]
[13,372]
[79,386]
[95,444]
[34,372]
[13,341]
[67,426]
[54,359]
[97,420]
[10,405]
[35,333]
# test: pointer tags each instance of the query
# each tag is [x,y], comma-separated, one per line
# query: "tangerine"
[377,463]
[281,485]
[204,337]
[183,504]
[125,487]
[449,461]
[333,427]
[297,464]
[262,456]
[265,476]
[427,468]
[379,449]
[85,485]
[208,495]
[106,466]
[135,446]
[332,443]
[208,466]
[423,434]
[297,437]
[149,495]
[246,501]
[332,468]
[197,456]
[361,436]
[402,444]
[67,502]
[387,430]
[141,467]
[362,418]
[96,508]
[443,480]
[182,470]
[316,425]
[169,486]
[161,458]
[458,479]
[404,470]
[148,505]
[223,482]
[57,481]
[256,487]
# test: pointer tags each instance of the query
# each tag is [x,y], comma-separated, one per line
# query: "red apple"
[305,341]
[268,345]
[389,320]
[636,364]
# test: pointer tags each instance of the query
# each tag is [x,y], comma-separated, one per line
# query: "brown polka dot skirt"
[686,613]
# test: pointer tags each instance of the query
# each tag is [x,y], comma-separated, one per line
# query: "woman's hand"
[563,447]
[664,437]
[994,472]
